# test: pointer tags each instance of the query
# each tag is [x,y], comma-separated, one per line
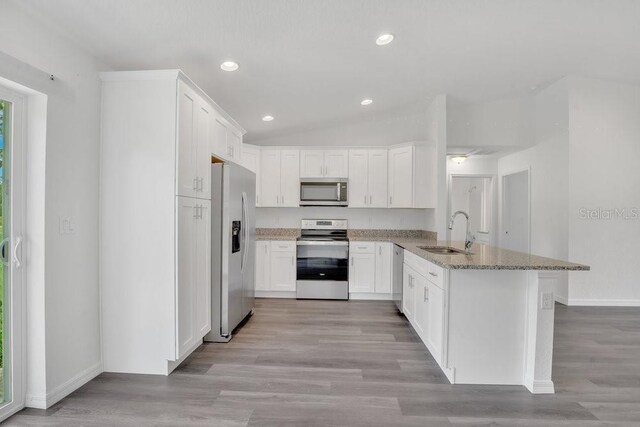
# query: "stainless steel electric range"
[323,260]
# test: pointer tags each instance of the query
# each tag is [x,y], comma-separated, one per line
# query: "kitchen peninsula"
[487,317]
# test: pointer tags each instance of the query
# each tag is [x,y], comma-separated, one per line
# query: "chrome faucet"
[468,237]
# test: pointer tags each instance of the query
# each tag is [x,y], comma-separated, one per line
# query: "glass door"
[11,293]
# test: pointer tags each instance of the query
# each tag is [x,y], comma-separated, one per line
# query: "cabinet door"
[203,150]
[377,178]
[383,267]
[251,161]
[263,264]
[401,177]
[219,138]
[202,300]
[270,177]
[188,102]
[421,314]
[234,145]
[358,176]
[311,164]
[290,178]
[408,300]
[362,268]
[283,271]
[186,265]
[435,325]
[336,163]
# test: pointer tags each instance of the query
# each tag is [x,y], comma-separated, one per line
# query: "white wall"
[436,126]
[548,161]
[376,131]
[505,123]
[392,219]
[71,293]
[604,120]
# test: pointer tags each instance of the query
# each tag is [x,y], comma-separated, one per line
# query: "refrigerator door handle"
[245,230]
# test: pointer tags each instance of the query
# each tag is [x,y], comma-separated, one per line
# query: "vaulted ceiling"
[310,63]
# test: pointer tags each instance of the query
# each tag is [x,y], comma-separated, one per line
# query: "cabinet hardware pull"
[195,212]
[433,274]
[370,198]
[195,183]
[390,200]
[426,297]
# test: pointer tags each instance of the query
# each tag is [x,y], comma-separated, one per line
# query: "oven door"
[323,193]
[318,260]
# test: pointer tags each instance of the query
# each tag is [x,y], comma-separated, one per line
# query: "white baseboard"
[275,294]
[40,401]
[540,386]
[604,302]
[562,300]
[369,296]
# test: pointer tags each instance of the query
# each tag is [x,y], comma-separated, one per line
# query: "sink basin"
[444,250]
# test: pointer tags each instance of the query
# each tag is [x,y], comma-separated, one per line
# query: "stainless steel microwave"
[324,192]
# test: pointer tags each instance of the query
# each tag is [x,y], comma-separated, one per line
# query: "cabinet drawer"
[435,274]
[362,247]
[283,246]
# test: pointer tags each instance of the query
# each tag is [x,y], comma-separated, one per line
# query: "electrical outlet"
[547,301]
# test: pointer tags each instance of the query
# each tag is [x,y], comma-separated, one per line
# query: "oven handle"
[319,243]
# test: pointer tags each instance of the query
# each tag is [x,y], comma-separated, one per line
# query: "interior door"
[12,343]
[358,177]
[515,212]
[187,114]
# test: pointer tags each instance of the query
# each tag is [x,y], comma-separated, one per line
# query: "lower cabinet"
[275,266]
[194,272]
[370,268]
[423,302]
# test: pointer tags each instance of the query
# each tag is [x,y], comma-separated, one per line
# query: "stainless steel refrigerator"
[233,195]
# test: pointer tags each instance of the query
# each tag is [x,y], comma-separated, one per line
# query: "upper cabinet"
[368,178]
[324,163]
[251,160]
[279,178]
[226,142]
[412,177]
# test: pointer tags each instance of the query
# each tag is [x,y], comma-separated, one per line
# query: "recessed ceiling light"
[267,118]
[366,101]
[229,66]
[384,39]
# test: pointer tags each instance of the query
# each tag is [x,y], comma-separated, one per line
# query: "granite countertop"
[484,257]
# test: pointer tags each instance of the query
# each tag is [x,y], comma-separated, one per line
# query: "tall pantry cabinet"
[159,132]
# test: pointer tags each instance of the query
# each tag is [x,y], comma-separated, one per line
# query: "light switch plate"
[547,301]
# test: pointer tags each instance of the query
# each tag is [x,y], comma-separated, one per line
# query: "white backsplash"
[390,219]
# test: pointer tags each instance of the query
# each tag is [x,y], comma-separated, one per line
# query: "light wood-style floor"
[329,363]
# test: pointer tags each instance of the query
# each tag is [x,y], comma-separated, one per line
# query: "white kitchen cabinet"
[368,178]
[408,292]
[412,176]
[401,177]
[384,259]
[362,272]
[194,272]
[234,146]
[158,136]
[290,178]
[421,295]
[263,265]
[324,163]
[219,137]
[283,269]
[279,178]
[435,326]
[251,161]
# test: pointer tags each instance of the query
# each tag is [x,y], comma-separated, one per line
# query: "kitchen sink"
[444,250]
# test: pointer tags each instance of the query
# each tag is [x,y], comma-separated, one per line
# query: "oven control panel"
[324,224]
